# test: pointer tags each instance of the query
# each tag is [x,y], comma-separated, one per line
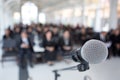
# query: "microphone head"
[94,51]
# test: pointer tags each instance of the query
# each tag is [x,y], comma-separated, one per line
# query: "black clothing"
[82,38]
[23,52]
[49,56]
[115,40]
[17,39]
[102,38]
[56,40]
[65,42]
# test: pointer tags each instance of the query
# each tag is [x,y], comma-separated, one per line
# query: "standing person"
[25,49]
[49,45]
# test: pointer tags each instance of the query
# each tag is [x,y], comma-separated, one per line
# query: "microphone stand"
[83,66]
[80,67]
[56,74]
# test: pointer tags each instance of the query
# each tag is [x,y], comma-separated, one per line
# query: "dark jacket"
[30,44]
[62,43]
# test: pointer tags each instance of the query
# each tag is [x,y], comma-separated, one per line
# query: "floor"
[108,70]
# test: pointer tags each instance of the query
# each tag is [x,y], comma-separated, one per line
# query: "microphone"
[92,52]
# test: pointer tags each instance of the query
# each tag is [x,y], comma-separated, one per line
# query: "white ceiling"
[14,5]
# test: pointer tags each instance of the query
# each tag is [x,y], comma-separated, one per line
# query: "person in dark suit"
[16,34]
[115,39]
[25,50]
[83,36]
[103,36]
[39,34]
[66,43]
[30,34]
[56,36]
[49,45]
[90,33]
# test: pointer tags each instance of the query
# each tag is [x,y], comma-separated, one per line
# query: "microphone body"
[76,56]
[92,52]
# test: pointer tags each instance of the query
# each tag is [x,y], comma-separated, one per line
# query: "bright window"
[42,18]
[29,13]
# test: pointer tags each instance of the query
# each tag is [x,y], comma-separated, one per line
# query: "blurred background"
[36,35]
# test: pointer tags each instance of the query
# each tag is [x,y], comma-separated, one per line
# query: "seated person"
[39,31]
[115,39]
[39,34]
[90,33]
[49,45]
[83,36]
[103,36]
[25,49]
[17,31]
[7,40]
[66,42]
[30,34]
[56,36]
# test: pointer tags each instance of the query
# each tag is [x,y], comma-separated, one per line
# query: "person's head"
[90,30]
[17,29]
[55,30]
[29,30]
[83,30]
[38,28]
[104,33]
[45,28]
[49,34]
[66,34]
[7,32]
[24,34]
[33,25]
[116,32]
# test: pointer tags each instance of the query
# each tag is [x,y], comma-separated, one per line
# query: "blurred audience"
[57,40]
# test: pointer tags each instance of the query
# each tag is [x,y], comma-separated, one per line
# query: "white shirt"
[25,40]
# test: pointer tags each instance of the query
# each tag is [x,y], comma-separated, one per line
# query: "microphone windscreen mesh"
[94,51]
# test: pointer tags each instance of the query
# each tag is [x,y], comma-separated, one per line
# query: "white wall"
[6,18]
[1,20]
